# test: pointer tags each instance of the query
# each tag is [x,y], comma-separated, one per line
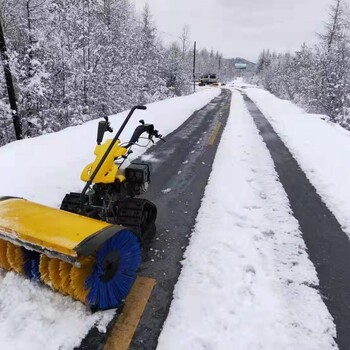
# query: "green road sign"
[240,65]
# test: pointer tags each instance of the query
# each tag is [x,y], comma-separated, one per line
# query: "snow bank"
[246,282]
[44,169]
[33,317]
[321,148]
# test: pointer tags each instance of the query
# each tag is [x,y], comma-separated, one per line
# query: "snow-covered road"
[246,281]
[321,148]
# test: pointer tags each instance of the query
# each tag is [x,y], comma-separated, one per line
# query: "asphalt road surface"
[328,246]
[180,172]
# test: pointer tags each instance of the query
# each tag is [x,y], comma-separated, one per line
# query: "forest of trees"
[75,60]
[318,77]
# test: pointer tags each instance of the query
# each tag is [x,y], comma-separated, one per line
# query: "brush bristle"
[15,257]
[102,282]
[64,272]
[54,273]
[109,292]
[44,269]
[4,263]
[78,277]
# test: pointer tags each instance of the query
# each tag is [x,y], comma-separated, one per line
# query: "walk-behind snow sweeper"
[91,248]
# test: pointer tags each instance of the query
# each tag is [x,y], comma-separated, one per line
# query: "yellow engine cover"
[34,225]
[108,172]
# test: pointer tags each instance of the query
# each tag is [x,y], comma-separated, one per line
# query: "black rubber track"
[181,168]
[328,246]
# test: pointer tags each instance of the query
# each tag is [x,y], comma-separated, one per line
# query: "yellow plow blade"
[38,226]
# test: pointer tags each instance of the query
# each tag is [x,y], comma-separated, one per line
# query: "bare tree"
[185,39]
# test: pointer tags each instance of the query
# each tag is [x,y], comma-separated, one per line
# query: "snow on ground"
[321,148]
[246,282]
[44,169]
[240,84]
[33,317]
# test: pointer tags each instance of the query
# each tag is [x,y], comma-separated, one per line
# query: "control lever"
[125,156]
[158,135]
[108,125]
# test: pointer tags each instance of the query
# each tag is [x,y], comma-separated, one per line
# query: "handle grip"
[141,107]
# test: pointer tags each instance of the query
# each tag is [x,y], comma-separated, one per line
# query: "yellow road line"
[134,306]
[215,133]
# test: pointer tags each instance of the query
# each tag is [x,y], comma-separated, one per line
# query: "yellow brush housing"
[51,229]
[67,243]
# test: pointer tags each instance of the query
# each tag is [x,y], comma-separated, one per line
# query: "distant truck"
[208,79]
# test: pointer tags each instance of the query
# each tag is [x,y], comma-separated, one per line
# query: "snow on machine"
[90,248]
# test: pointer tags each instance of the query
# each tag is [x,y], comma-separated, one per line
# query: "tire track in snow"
[328,246]
[247,281]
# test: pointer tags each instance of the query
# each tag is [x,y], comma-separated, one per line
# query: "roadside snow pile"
[44,169]
[246,282]
[240,84]
[33,317]
[321,148]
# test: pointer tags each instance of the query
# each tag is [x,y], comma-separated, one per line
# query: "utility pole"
[194,66]
[9,85]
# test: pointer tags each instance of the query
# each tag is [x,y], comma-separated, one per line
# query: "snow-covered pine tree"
[74,60]
[332,57]
[318,78]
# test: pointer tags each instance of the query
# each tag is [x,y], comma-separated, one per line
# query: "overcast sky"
[241,27]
